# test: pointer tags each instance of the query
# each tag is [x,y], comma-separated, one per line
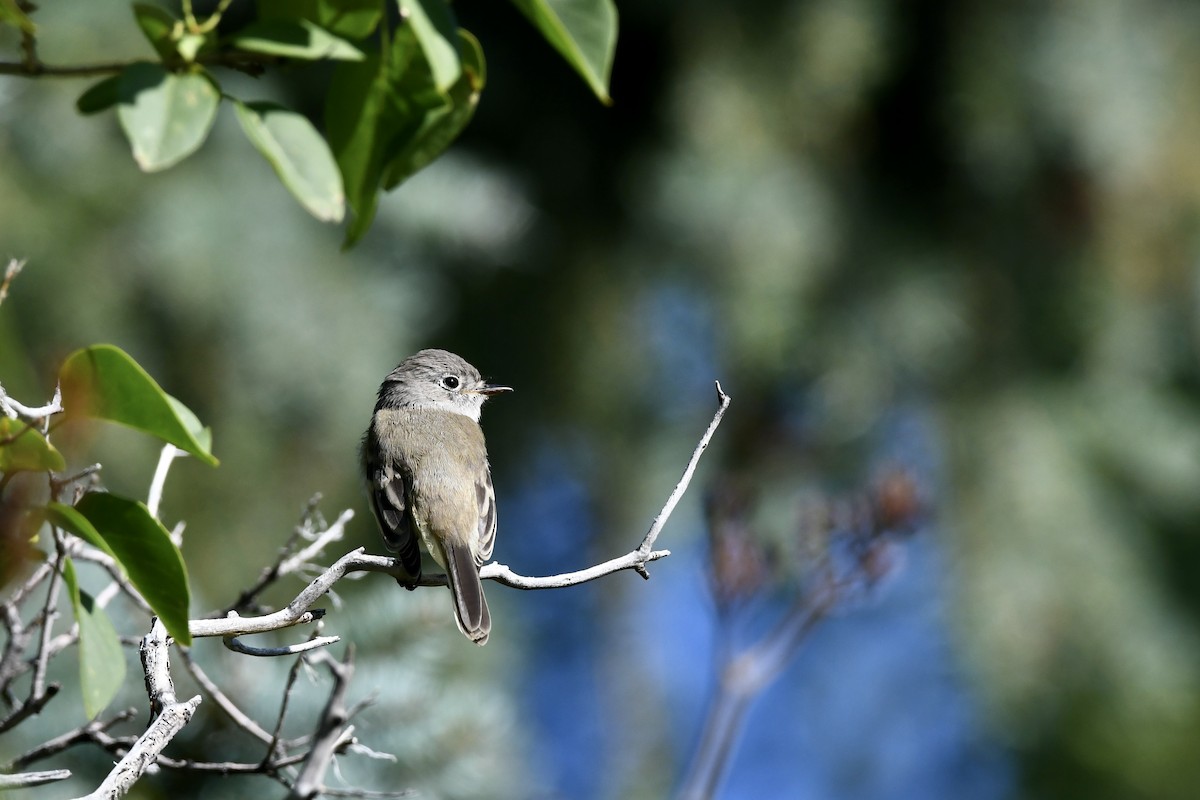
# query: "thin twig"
[49,614]
[286,562]
[13,409]
[250,63]
[168,455]
[656,527]
[239,717]
[27,779]
[275,743]
[84,733]
[237,646]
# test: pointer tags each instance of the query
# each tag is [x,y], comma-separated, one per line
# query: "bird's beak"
[489,389]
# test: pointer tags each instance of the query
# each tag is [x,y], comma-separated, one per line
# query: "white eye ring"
[450,381]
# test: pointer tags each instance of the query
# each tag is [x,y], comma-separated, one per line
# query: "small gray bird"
[426,467]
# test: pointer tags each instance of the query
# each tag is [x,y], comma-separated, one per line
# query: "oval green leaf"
[101,661]
[584,32]
[299,155]
[437,32]
[22,447]
[103,382]
[165,116]
[297,38]
[100,96]
[145,551]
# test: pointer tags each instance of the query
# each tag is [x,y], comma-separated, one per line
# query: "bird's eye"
[450,381]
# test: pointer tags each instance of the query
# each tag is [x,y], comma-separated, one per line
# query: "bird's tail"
[470,606]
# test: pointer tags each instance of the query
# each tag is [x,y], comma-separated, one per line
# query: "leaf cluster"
[406,81]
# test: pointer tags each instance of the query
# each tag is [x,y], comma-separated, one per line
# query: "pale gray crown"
[436,379]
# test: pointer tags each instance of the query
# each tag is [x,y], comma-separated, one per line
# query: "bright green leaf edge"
[599,15]
[436,29]
[298,154]
[104,382]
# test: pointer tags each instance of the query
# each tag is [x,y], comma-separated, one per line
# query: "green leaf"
[441,125]
[299,155]
[145,551]
[437,32]
[22,447]
[100,96]
[360,125]
[350,19]
[384,116]
[298,38]
[101,662]
[584,32]
[103,382]
[159,26]
[165,116]
[11,14]
[69,519]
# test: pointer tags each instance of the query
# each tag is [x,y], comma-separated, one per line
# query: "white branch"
[169,714]
[25,779]
[12,408]
[681,487]
[169,453]
[146,750]
[237,646]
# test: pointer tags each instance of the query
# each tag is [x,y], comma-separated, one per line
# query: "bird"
[425,464]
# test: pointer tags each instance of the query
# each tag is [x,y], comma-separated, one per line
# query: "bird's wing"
[486,495]
[390,492]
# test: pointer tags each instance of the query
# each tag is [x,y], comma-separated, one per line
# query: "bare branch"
[681,487]
[168,455]
[331,534]
[84,733]
[170,716]
[287,562]
[29,708]
[331,731]
[275,742]
[250,63]
[146,750]
[13,409]
[239,717]
[27,779]
[236,645]
[49,613]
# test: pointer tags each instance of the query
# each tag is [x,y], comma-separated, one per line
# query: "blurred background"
[956,239]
